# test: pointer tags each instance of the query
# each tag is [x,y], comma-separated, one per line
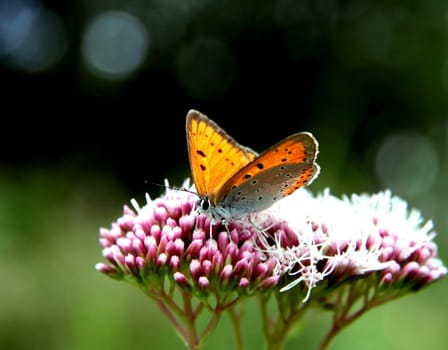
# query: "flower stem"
[190,318]
[216,314]
[184,317]
[236,318]
[345,300]
[289,312]
[174,321]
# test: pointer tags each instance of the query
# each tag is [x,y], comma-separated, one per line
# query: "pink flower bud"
[160,214]
[195,269]
[244,283]
[181,279]
[161,260]
[151,248]
[203,282]
[174,262]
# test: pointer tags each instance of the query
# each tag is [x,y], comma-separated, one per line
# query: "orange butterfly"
[232,180]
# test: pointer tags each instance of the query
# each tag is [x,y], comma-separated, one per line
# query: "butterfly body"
[232,180]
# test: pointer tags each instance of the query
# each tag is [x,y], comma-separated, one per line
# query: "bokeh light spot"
[407,163]
[115,45]
[31,38]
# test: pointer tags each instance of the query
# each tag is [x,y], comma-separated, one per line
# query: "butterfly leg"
[226,225]
[212,222]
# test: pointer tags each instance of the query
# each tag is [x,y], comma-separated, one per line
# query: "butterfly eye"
[204,204]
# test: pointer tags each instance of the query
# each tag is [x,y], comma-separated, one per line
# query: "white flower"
[334,239]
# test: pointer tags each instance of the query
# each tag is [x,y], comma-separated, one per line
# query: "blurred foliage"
[77,144]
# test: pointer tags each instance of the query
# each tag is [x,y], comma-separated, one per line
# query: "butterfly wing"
[276,173]
[214,155]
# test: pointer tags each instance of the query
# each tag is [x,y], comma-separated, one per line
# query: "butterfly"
[232,180]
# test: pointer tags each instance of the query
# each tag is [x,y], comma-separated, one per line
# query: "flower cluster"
[168,238]
[337,239]
[322,250]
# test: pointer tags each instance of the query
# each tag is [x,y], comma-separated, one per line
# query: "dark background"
[352,72]
[368,78]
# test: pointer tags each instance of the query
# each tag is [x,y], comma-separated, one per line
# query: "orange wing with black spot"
[276,173]
[214,155]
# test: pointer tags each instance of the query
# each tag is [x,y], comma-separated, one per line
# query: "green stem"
[343,317]
[212,324]
[170,309]
[190,319]
[236,324]
[174,321]
[276,331]
[267,322]
[175,313]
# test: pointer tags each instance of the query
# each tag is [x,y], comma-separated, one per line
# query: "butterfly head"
[204,205]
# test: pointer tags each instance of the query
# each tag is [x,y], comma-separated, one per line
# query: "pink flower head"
[347,255]
[302,241]
[168,238]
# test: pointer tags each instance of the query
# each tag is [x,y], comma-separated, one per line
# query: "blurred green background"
[94,98]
